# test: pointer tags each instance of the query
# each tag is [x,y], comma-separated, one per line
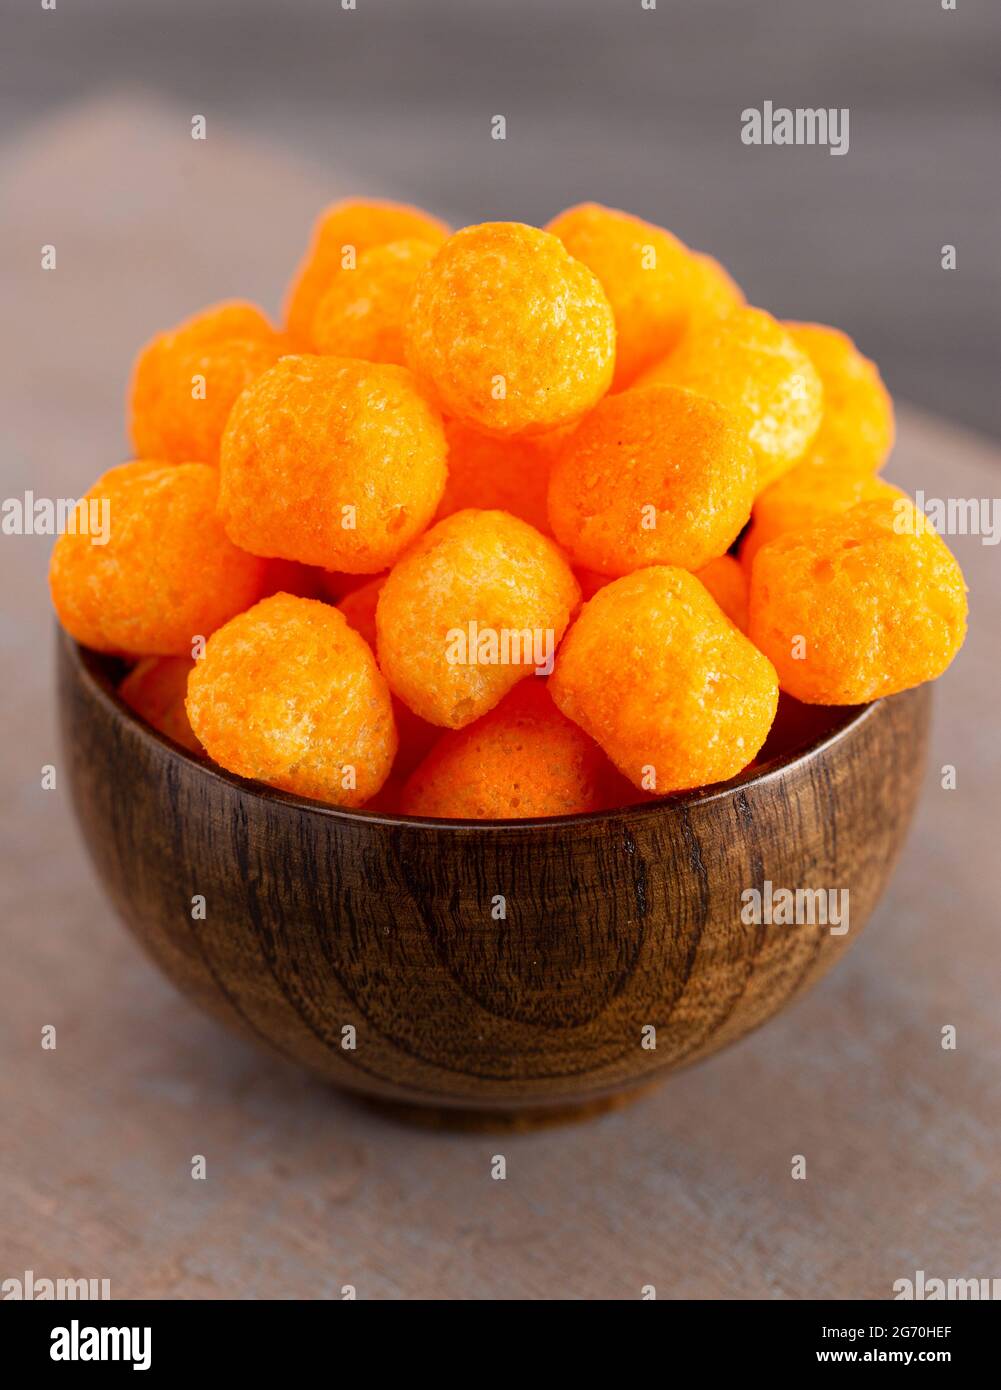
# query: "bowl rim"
[87,665]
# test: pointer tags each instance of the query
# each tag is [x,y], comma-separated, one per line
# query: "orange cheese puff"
[478,603]
[359,606]
[229,318]
[726,580]
[341,235]
[507,475]
[653,476]
[168,572]
[807,494]
[857,428]
[185,381]
[645,271]
[671,690]
[287,693]
[416,735]
[748,361]
[863,604]
[510,333]
[363,311]
[522,759]
[712,292]
[155,688]
[333,462]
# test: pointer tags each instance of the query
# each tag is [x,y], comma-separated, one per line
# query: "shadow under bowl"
[490,966]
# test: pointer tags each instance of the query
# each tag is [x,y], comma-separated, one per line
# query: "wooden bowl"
[326,928]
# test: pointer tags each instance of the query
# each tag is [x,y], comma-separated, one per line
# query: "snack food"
[726,580]
[416,736]
[857,427]
[341,234]
[523,758]
[332,462]
[750,363]
[156,689]
[664,682]
[646,272]
[288,694]
[168,573]
[185,381]
[805,495]
[460,509]
[362,312]
[475,606]
[508,475]
[863,604]
[653,476]
[508,332]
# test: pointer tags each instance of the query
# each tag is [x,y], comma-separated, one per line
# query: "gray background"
[641,109]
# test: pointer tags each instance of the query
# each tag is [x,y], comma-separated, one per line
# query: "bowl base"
[523,1121]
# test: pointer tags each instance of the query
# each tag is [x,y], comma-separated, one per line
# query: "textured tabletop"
[689,1189]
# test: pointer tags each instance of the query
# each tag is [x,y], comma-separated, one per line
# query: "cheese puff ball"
[806,494]
[726,580]
[857,427]
[416,735]
[712,292]
[478,603]
[863,604]
[645,271]
[656,674]
[185,381]
[288,694]
[168,573]
[359,607]
[653,476]
[363,311]
[332,462]
[342,233]
[521,759]
[748,362]
[229,318]
[508,332]
[156,688]
[508,475]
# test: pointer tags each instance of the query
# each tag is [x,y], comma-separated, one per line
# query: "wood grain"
[318,920]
